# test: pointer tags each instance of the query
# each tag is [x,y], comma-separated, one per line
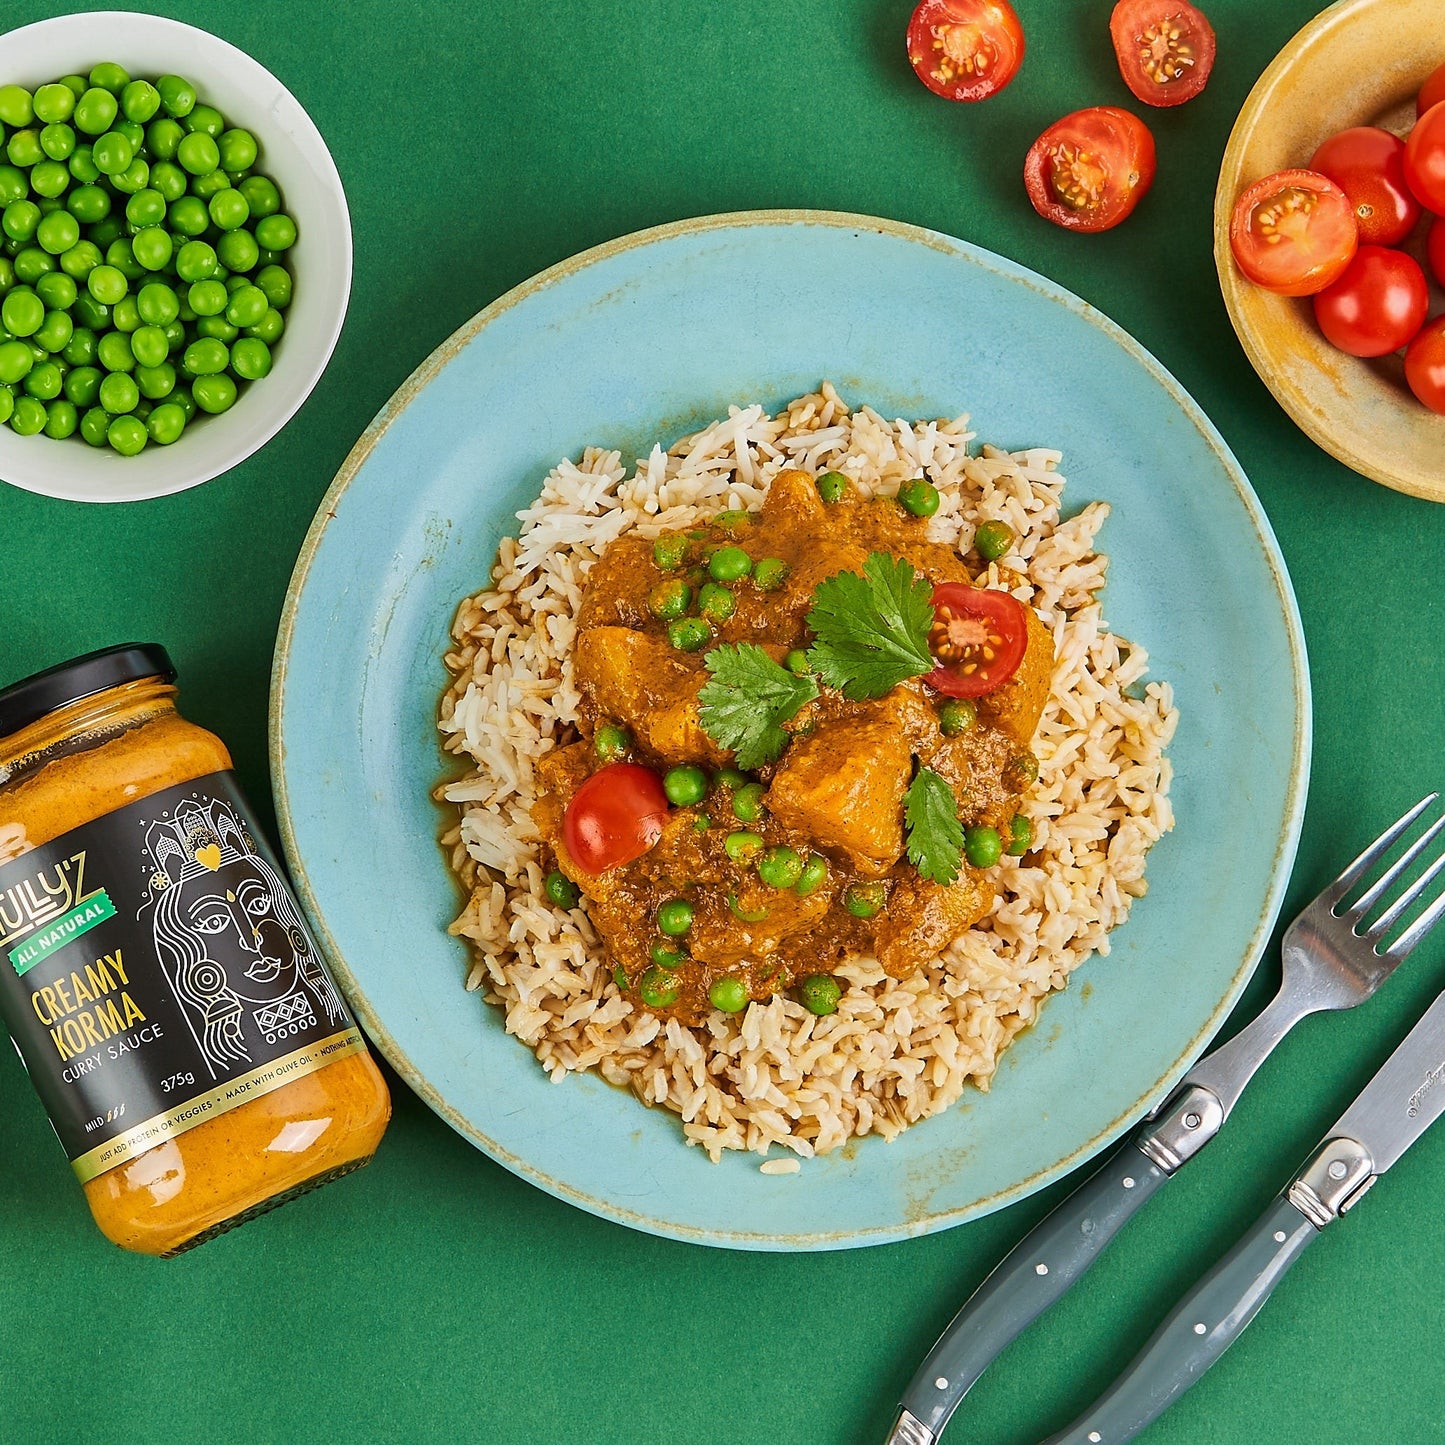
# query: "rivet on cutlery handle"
[1202,1326]
[1038,1272]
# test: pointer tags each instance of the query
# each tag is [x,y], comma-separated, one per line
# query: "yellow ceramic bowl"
[1358,63]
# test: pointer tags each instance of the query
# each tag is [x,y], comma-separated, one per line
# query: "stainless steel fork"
[1335,955]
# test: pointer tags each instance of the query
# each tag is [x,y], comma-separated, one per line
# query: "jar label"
[156,972]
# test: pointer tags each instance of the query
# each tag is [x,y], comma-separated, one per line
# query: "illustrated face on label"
[229,938]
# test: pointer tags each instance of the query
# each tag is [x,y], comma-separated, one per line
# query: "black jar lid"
[31,698]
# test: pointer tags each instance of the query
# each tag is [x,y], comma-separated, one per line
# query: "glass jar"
[196,1059]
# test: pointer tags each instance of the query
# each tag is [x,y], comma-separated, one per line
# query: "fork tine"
[1419,928]
[1391,915]
[1368,899]
[1354,872]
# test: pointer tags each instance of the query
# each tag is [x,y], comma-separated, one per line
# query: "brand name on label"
[45,896]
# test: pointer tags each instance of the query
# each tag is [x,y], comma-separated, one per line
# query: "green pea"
[169,183]
[119,393]
[80,261]
[865,900]
[797,663]
[139,101]
[178,96]
[813,876]
[94,425]
[1021,836]
[727,564]
[667,600]
[831,486]
[207,298]
[61,419]
[205,119]
[674,917]
[685,786]
[158,304]
[228,210]
[29,417]
[109,76]
[261,195]
[956,716]
[55,331]
[114,353]
[125,315]
[16,105]
[729,778]
[688,634]
[176,337]
[561,890]
[728,994]
[93,314]
[919,496]
[32,263]
[16,359]
[149,346]
[770,574]
[19,220]
[58,232]
[658,988]
[666,955]
[237,250]
[197,154]
[127,435]
[7,273]
[701,823]
[819,994]
[121,255]
[82,385]
[982,846]
[88,204]
[95,112]
[165,424]
[142,412]
[22,312]
[146,208]
[112,153]
[214,394]
[107,285]
[58,143]
[270,327]
[13,185]
[748,803]
[238,150]
[163,138]
[276,232]
[219,329]
[45,381]
[23,149]
[188,216]
[82,166]
[667,552]
[250,359]
[53,103]
[611,743]
[75,84]
[994,540]
[208,185]
[781,866]
[81,349]
[1022,769]
[57,291]
[743,847]
[715,602]
[7,404]
[156,382]
[152,247]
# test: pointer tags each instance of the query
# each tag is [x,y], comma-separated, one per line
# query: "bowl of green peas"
[175,256]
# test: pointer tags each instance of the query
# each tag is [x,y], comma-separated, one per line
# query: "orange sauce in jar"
[198,1006]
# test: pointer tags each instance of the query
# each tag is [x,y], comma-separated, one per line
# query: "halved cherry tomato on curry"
[1165,49]
[965,49]
[1432,92]
[978,639]
[614,817]
[1088,171]
[1368,165]
[1293,232]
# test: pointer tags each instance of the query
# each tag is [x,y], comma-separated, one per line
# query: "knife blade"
[1405,1096]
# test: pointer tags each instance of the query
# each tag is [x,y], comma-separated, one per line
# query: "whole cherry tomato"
[1432,92]
[1368,165]
[1425,159]
[1377,305]
[1089,170]
[614,817]
[1425,364]
[1435,250]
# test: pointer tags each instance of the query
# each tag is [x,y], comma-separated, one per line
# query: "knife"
[1404,1098]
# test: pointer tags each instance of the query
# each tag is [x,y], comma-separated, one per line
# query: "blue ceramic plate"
[649,337]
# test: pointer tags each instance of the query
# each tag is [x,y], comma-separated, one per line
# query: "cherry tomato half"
[1293,232]
[1377,305]
[1089,170]
[1432,92]
[1435,250]
[1425,364]
[1165,49]
[614,817]
[965,49]
[1425,159]
[978,637]
[1368,165]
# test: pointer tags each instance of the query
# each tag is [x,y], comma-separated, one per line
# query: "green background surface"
[435,1297]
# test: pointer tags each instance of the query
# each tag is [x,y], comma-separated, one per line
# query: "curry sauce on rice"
[802,768]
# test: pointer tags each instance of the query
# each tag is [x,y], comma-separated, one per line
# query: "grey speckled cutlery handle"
[1202,1326]
[1038,1271]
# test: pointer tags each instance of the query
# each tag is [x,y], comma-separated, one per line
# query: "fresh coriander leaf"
[872,631]
[935,836]
[747,699]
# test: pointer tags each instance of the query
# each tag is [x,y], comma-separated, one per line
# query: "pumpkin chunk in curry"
[711,886]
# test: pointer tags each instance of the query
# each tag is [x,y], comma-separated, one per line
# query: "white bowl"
[294,156]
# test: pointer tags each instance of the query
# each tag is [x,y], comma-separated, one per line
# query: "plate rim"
[1286,845]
